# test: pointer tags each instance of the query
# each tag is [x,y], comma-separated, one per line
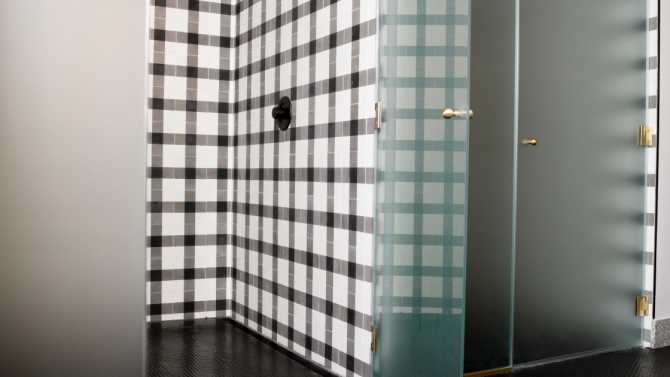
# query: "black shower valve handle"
[279,113]
[282,113]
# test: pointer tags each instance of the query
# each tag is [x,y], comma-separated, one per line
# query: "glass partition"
[422,187]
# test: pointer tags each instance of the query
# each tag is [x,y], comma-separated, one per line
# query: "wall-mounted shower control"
[282,114]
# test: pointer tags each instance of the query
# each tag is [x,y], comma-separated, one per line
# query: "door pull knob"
[449,113]
[529,142]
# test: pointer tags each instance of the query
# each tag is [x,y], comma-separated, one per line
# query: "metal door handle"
[450,113]
[529,141]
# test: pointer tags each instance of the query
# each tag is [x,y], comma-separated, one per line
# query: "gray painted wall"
[72,167]
[662,302]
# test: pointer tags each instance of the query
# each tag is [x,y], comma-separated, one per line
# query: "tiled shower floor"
[215,348]
[219,348]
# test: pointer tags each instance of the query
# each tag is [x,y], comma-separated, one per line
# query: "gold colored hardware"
[373,343]
[378,115]
[488,373]
[449,113]
[642,306]
[529,141]
[645,137]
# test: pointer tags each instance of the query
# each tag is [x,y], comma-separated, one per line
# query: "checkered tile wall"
[271,228]
[191,111]
[302,205]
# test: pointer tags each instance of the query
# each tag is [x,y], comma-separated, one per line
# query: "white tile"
[436,35]
[339,339]
[406,35]
[173,224]
[172,258]
[205,256]
[175,87]
[206,156]
[343,59]
[207,123]
[431,287]
[403,286]
[407,7]
[344,19]
[342,152]
[176,20]
[172,291]
[175,53]
[174,121]
[319,283]
[205,289]
[363,297]
[206,190]
[208,90]
[341,244]
[323,22]
[321,66]
[173,190]
[432,256]
[208,56]
[209,23]
[205,223]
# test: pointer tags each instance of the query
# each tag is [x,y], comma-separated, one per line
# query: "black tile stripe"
[356,127]
[157,309]
[156,185]
[310,49]
[246,211]
[292,150]
[192,38]
[349,269]
[275,197]
[190,156]
[331,219]
[258,318]
[222,218]
[327,175]
[330,202]
[191,72]
[202,6]
[328,86]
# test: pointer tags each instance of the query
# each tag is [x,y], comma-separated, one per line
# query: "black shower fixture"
[282,113]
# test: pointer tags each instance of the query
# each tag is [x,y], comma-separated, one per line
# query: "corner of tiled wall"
[233,203]
[650,155]
[190,70]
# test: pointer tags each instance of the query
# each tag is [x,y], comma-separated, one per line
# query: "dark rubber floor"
[219,348]
[632,363]
[215,348]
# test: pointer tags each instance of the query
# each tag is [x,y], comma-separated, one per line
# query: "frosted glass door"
[422,188]
[581,187]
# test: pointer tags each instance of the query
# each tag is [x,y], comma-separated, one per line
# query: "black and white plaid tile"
[272,228]
[190,112]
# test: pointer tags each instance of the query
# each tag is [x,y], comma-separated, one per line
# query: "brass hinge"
[373,343]
[642,306]
[645,136]
[378,115]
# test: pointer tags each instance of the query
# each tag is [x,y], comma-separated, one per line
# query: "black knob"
[282,113]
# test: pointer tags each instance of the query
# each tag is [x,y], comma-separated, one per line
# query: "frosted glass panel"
[422,188]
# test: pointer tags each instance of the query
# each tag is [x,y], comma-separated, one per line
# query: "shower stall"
[401,188]
[510,222]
